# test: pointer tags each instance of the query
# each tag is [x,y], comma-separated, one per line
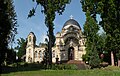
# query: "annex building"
[69,44]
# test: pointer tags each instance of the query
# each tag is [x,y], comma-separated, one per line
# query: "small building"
[69,44]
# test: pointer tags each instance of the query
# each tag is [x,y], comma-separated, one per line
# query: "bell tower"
[31,42]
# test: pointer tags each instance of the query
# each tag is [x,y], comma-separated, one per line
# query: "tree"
[21,47]
[50,8]
[8,26]
[110,22]
[91,32]
[110,14]
[10,56]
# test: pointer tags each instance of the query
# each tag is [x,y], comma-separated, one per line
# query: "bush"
[94,61]
[13,65]
[26,64]
[23,65]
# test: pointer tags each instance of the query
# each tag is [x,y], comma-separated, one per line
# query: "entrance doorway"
[71,53]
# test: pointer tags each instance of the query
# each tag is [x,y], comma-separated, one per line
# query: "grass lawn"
[96,72]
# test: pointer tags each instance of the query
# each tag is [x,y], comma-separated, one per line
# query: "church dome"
[71,22]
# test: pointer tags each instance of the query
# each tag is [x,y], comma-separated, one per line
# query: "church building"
[69,44]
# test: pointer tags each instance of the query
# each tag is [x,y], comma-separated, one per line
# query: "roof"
[32,33]
[71,21]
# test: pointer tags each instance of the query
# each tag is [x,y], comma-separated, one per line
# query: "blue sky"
[36,23]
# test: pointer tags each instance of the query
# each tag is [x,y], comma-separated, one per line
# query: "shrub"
[14,65]
[26,64]
[42,66]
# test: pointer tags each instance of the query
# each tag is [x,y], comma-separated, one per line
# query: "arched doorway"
[71,53]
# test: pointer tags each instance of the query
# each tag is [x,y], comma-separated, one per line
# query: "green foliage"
[11,56]
[91,32]
[110,14]
[101,43]
[91,6]
[45,61]
[8,26]
[31,13]
[94,60]
[110,23]
[43,67]
[85,57]
[21,47]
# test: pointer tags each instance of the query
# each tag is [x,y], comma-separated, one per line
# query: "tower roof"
[31,33]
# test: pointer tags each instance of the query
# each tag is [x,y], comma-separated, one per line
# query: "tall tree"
[7,26]
[91,32]
[21,47]
[110,14]
[50,8]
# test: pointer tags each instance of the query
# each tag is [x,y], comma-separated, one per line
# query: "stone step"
[79,64]
[75,62]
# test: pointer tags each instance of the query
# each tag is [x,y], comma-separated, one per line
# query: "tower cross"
[31,30]
[71,16]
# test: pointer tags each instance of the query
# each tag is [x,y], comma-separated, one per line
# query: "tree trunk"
[118,63]
[50,47]
[112,58]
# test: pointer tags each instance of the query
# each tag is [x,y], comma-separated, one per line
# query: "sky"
[36,23]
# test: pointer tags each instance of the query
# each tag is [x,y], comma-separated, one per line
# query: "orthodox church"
[69,44]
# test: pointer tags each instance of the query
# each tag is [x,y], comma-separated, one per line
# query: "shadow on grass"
[19,68]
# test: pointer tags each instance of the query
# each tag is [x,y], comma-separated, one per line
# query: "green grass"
[95,72]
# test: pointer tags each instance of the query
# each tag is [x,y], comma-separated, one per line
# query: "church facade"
[69,44]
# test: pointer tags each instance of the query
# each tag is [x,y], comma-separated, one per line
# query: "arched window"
[29,59]
[35,54]
[29,50]
[29,38]
[40,54]
[53,54]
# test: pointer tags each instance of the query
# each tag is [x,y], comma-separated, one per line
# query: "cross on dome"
[71,16]
[31,29]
